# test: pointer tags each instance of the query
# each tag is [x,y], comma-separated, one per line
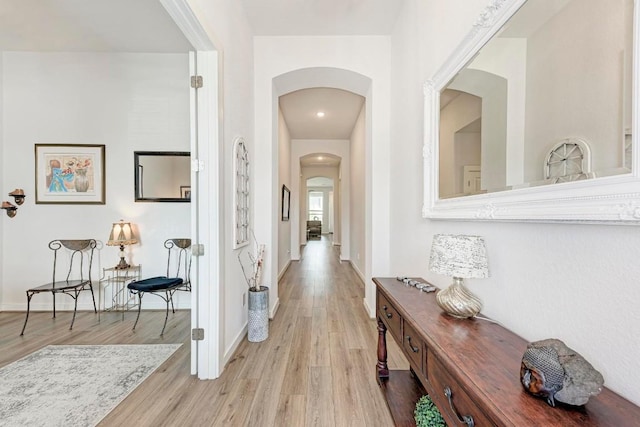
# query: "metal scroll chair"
[179,261]
[176,279]
[77,266]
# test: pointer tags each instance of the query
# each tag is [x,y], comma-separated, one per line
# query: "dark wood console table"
[477,361]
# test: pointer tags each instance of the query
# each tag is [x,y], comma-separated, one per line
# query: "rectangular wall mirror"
[162,176]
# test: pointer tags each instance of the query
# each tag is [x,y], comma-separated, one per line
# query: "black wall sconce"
[18,196]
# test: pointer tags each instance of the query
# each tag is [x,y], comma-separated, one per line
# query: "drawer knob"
[465,419]
[389,315]
[414,349]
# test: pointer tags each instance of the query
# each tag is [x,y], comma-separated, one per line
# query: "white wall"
[357,204]
[492,90]
[507,57]
[572,282]
[127,102]
[284,178]
[299,149]
[596,46]
[459,113]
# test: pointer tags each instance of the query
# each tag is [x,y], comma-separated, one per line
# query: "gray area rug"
[74,385]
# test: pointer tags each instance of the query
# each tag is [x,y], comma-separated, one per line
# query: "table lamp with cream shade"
[122,235]
[461,257]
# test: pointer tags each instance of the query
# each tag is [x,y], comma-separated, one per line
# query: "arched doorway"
[274,79]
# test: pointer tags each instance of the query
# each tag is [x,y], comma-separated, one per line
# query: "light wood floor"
[316,369]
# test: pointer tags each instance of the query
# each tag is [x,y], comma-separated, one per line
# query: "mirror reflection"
[162,176]
[546,100]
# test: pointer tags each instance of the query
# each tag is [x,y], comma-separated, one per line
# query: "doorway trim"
[206,216]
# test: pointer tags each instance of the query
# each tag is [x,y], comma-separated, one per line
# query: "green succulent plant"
[427,414]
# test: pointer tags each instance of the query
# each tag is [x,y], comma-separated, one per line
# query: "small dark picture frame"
[286,202]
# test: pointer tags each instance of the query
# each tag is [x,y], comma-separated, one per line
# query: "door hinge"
[196,82]
[197,249]
[197,334]
[197,165]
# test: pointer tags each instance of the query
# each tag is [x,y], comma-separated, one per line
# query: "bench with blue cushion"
[162,286]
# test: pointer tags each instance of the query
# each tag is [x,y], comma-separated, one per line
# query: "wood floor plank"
[368,390]
[291,410]
[320,355]
[235,410]
[320,400]
[296,374]
[348,412]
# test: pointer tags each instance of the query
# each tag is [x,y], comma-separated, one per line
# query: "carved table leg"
[383,369]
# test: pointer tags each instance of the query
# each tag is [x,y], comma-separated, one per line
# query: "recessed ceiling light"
[320,114]
[320,157]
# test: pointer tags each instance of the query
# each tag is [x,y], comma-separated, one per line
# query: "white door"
[206,193]
[471,180]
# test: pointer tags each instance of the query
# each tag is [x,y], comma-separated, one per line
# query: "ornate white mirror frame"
[611,199]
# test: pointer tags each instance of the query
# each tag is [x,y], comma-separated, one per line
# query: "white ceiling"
[300,110]
[88,26]
[145,26]
[319,160]
[320,181]
[322,17]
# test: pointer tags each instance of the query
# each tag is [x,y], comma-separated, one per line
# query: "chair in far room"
[177,278]
[314,229]
[72,262]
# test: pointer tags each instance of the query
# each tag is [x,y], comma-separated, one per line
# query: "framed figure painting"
[70,174]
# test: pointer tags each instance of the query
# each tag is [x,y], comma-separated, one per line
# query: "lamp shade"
[459,256]
[122,234]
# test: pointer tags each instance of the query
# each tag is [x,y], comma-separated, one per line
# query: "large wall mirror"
[534,116]
[162,176]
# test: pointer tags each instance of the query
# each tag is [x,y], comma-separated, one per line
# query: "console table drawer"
[413,346]
[390,316]
[459,404]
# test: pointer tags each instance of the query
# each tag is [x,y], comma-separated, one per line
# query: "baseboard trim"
[275,308]
[284,270]
[370,312]
[228,354]
[357,270]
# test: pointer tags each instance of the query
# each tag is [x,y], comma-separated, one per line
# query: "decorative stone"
[551,369]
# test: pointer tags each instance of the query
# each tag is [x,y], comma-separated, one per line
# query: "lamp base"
[122,265]
[458,301]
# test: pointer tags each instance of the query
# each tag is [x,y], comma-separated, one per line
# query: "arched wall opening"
[283,65]
[302,151]
[320,206]
[325,178]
